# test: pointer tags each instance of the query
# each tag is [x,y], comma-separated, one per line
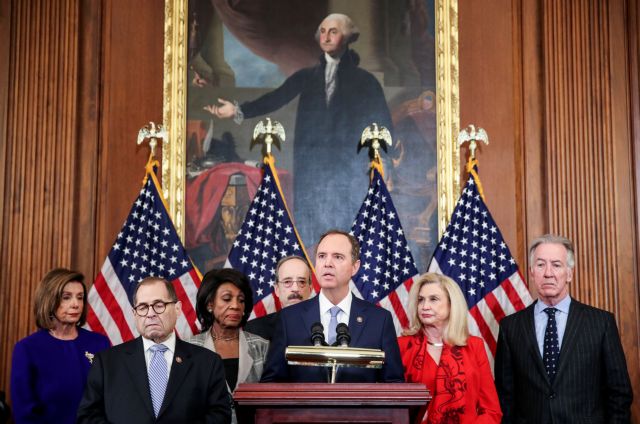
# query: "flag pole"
[472,136]
[152,133]
[270,133]
[375,138]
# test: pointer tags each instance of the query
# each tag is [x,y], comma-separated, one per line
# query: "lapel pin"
[178,359]
[359,319]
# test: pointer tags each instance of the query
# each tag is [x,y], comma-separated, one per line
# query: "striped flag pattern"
[473,253]
[147,245]
[267,235]
[387,268]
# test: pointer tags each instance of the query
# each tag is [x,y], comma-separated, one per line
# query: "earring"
[209,310]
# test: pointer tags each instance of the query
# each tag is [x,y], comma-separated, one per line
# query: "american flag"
[473,253]
[386,265]
[267,235]
[147,245]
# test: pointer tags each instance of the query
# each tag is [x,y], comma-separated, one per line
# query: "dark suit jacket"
[117,388]
[264,326]
[328,134]
[592,383]
[370,327]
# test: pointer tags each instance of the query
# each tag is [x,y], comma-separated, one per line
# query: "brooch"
[89,356]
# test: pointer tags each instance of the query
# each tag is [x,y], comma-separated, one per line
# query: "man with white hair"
[559,360]
[337,100]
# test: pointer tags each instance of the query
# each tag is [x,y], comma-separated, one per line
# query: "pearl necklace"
[435,344]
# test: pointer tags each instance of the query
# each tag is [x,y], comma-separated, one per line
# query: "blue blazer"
[370,327]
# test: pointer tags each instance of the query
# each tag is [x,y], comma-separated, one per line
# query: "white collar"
[344,304]
[169,343]
[331,61]
[562,306]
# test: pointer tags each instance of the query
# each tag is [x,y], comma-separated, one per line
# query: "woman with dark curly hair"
[223,305]
[50,367]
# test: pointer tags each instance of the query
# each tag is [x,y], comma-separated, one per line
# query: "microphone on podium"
[343,338]
[317,334]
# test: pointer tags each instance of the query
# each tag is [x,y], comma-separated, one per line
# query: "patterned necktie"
[158,376]
[330,83]
[551,350]
[333,323]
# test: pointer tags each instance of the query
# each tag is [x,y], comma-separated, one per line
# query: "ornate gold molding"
[175,92]
[175,108]
[447,108]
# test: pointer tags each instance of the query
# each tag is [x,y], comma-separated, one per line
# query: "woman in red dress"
[437,350]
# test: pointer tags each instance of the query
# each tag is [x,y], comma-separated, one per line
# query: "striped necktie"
[158,375]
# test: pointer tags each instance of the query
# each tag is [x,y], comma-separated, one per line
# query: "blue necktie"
[158,376]
[551,349]
[333,323]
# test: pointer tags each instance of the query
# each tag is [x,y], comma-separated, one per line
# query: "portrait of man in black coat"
[337,100]
[324,76]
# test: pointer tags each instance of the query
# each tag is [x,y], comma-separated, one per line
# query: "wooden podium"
[271,403]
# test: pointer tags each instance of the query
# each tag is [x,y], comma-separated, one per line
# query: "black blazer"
[592,383]
[264,326]
[117,388]
[370,326]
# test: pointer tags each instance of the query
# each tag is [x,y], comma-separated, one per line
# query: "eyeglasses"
[288,283]
[142,310]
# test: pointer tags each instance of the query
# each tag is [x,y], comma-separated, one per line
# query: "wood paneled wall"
[40,157]
[589,155]
[77,80]
[555,84]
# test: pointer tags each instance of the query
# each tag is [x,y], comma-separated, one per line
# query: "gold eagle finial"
[375,138]
[153,132]
[268,132]
[471,135]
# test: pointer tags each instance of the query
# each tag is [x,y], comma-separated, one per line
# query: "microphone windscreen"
[317,327]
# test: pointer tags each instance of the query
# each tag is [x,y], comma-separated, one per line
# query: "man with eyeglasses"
[292,285]
[130,382]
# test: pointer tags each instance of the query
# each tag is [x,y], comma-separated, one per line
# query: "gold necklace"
[435,344]
[216,338]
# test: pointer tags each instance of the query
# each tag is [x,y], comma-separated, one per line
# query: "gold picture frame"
[175,101]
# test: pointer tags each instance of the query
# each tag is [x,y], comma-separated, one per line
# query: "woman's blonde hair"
[49,294]
[456,332]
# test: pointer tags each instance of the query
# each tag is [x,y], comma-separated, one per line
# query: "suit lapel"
[311,314]
[532,341]
[357,320]
[571,330]
[179,369]
[137,367]
[245,361]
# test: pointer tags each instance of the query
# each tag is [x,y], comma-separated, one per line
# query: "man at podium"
[369,326]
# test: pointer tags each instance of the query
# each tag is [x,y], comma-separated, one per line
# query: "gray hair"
[349,29]
[554,239]
[147,281]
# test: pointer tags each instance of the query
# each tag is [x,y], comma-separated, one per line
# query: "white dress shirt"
[540,318]
[325,314]
[170,343]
